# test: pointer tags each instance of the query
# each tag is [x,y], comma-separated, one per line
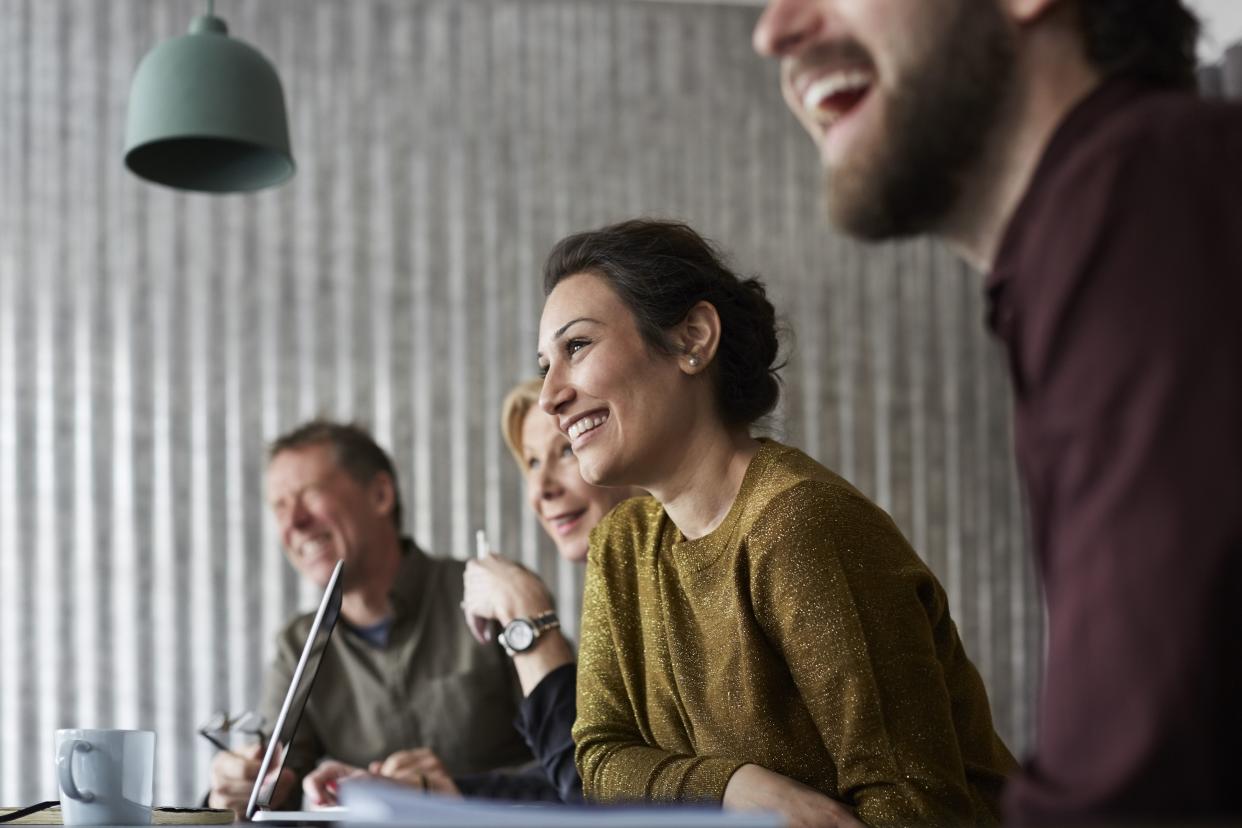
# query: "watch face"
[519,634]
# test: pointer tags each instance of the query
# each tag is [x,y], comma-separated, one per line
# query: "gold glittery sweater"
[803,634]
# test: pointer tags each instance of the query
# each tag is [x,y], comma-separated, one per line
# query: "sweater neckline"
[701,553]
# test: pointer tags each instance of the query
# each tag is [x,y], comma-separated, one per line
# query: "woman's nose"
[549,485]
[555,393]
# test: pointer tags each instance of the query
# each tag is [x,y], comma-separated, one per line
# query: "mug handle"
[64,769]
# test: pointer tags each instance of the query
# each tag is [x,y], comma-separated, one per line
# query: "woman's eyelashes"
[572,346]
[567,451]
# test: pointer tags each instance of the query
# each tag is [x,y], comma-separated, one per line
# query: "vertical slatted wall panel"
[151,341]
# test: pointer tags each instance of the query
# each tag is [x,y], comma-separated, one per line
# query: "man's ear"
[698,337]
[1024,12]
[383,494]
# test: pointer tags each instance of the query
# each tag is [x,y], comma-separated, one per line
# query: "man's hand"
[754,788]
[320,785]
[420,769]
[497,589]
[232,779]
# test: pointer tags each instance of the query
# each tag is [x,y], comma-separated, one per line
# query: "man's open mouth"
[830,98]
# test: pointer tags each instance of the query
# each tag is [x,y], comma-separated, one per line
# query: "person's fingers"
[230,765]
[226,802]
[236,774]
[408,776]
[442,784]
[480,628]
[395,764]
[417,760]
[498,564]
[475,602]
[316,790]
[374,767]
[234,788]
[230,801]
[427,761]
[477,589]
[319,786]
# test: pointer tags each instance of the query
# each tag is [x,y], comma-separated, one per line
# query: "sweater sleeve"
[528,785]
[545,720]
[853,612]
[614,752]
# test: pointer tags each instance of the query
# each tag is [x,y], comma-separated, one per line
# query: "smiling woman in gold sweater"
[755,633]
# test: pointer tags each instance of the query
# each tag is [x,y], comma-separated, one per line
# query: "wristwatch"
[520,634]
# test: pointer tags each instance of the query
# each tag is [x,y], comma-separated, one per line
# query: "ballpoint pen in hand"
[483,629]
[221,725]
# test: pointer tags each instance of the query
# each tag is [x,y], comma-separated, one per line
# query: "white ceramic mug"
[106,777]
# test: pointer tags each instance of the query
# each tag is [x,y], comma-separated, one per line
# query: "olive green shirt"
[803,634]
[432,686]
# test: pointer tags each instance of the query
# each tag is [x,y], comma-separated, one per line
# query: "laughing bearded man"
[1059,147]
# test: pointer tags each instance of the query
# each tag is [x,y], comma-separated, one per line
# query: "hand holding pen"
[498,590]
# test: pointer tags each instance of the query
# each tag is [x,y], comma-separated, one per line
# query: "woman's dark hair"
[662,269]
[1149,40]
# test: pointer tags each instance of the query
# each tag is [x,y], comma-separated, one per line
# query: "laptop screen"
[299,691]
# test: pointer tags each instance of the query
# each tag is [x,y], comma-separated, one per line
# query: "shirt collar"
[1081,120]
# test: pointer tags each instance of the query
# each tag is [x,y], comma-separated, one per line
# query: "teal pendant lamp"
[206,113]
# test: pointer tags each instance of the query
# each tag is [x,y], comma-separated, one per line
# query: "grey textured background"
[151,342]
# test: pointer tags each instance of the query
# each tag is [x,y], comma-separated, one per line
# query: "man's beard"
[937,124]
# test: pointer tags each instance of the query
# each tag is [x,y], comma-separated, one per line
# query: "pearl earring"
[694,361]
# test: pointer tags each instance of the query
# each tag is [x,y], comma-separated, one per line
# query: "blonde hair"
[521,399]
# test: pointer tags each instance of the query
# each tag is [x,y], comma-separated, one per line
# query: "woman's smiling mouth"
[585,425]
[566,522]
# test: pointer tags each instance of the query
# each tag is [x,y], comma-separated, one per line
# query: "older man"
[1058,145]
[403,677]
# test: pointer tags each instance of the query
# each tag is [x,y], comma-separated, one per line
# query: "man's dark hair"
[1149,40]
[662,269]
[353,448]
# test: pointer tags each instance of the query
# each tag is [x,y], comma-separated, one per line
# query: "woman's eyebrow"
[561,330]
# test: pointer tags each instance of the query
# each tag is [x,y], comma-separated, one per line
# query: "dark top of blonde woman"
[803,634]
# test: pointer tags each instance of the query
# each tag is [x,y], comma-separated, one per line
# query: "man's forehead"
[301,465]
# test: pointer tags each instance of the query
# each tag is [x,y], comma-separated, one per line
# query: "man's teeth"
[586,424]
[313,547]
[821,91]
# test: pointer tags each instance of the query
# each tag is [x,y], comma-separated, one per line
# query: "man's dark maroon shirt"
[1118,296]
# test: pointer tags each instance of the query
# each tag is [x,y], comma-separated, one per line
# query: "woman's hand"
[497,589]
[754,788]
[419,768]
